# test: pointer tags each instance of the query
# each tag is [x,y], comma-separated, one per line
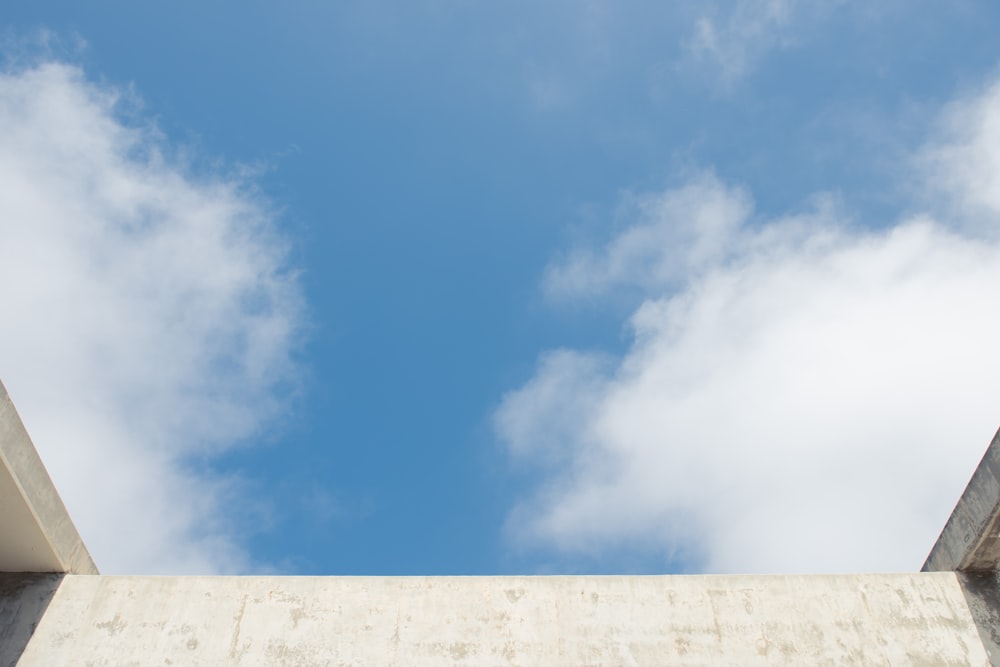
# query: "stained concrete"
[904,619]
[36,533]
[23,600]
[982,592]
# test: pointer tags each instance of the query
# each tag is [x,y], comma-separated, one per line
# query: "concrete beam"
[896,619]
[970,541]
[36,533]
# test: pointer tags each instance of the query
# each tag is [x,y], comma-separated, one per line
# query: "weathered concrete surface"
[23,600]
[36,533]
[918,619]
[982,592]
[970,540]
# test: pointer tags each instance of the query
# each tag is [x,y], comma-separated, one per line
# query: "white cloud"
[800,394]
[964,160]
[148,319]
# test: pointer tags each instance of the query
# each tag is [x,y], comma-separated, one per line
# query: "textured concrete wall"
[23,600]
[917,619]
[982,592]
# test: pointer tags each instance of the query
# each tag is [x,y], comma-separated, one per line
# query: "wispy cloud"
[733,37]
[800,394]
[671,235]
[149,317]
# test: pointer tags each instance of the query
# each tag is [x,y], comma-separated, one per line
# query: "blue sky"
[456,288]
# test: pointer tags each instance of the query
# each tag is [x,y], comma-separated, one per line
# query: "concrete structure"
[36,534]
[55,609]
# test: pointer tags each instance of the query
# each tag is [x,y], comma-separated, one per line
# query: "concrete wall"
[912,619]
[23,600]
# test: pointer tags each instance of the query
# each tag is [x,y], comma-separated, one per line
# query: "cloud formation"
[799,394]
[149,318]
[962,162]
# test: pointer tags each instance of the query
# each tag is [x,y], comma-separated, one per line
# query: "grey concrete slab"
[897,619]
[23,600]
[982,592]
[36,533]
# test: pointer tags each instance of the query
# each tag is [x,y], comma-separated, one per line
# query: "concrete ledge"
[897,619]
[970,541]
[36,533]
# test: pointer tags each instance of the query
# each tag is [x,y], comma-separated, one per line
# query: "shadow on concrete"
[982,593]
[24,597]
